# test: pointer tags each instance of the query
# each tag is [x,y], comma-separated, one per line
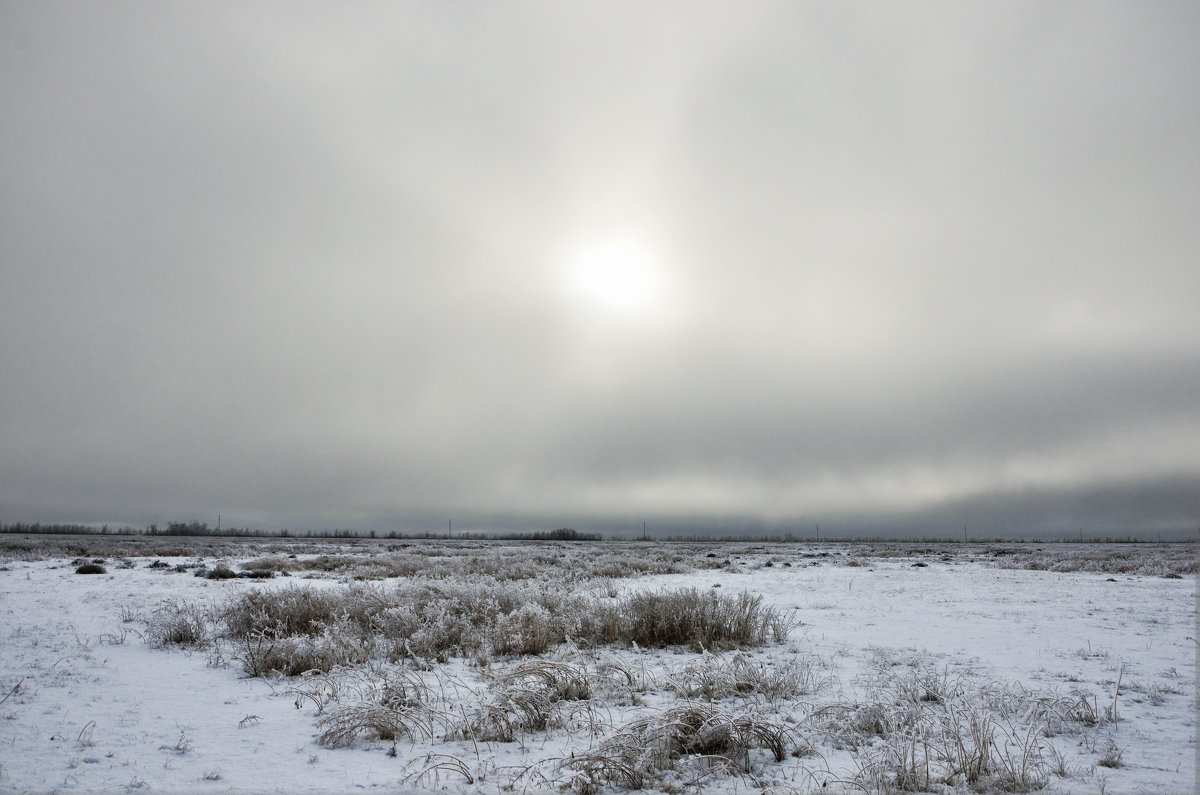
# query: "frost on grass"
[296,629]
[921,729]
[716,678]
[546,668]
[176,623]
[685,744]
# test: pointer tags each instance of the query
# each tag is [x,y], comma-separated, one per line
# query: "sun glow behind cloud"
[620,275]
[619,294]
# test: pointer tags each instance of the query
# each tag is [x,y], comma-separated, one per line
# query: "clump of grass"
[392,687]
[255,574]
[336,646]
[924,731]
[382,705]
[527,698]
[424,621]
[342,726]
[560,681]
[511,712]
[177,624]
[528,630]
[714,678]
[686,617]
[278,563]
[91,568]
[689,734]
[1111,756]
[298,610]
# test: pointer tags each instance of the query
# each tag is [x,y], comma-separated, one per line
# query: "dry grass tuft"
[342,726]
[702,620]
[178,624]
[714,678]
[690,735]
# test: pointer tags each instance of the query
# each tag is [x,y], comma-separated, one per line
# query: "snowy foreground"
[919,667]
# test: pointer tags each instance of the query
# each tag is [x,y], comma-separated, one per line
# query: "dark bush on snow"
[91,568]
[220,573]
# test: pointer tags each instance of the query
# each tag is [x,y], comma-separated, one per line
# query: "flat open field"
[534,667]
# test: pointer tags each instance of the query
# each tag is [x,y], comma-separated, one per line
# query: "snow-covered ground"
[88,705]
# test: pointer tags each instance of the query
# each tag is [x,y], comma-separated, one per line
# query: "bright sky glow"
[619,275]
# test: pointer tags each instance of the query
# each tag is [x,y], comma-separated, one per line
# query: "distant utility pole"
[449,528]
[218,523]
[818,531]
[645,537]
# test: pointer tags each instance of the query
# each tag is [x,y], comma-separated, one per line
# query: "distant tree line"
[561,534]
[197,528]
[60,529]
[789,538]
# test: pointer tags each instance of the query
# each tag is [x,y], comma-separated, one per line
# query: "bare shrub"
[91,568]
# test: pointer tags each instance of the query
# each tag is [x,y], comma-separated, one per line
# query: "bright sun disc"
[617,275]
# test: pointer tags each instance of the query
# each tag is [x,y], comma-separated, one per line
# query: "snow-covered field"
[911,666]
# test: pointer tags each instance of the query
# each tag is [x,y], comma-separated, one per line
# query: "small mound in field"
[91,568]
[256,574]
[220,573]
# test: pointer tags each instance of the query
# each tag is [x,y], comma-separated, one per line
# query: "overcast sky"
[712,266]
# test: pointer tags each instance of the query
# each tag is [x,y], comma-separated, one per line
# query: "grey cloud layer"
[295,263]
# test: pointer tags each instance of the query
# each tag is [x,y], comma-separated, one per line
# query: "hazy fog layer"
[308,264]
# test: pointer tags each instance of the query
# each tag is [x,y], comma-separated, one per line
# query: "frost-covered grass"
[296,628]
[597,667]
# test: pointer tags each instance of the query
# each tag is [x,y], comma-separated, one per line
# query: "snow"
[88,706]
